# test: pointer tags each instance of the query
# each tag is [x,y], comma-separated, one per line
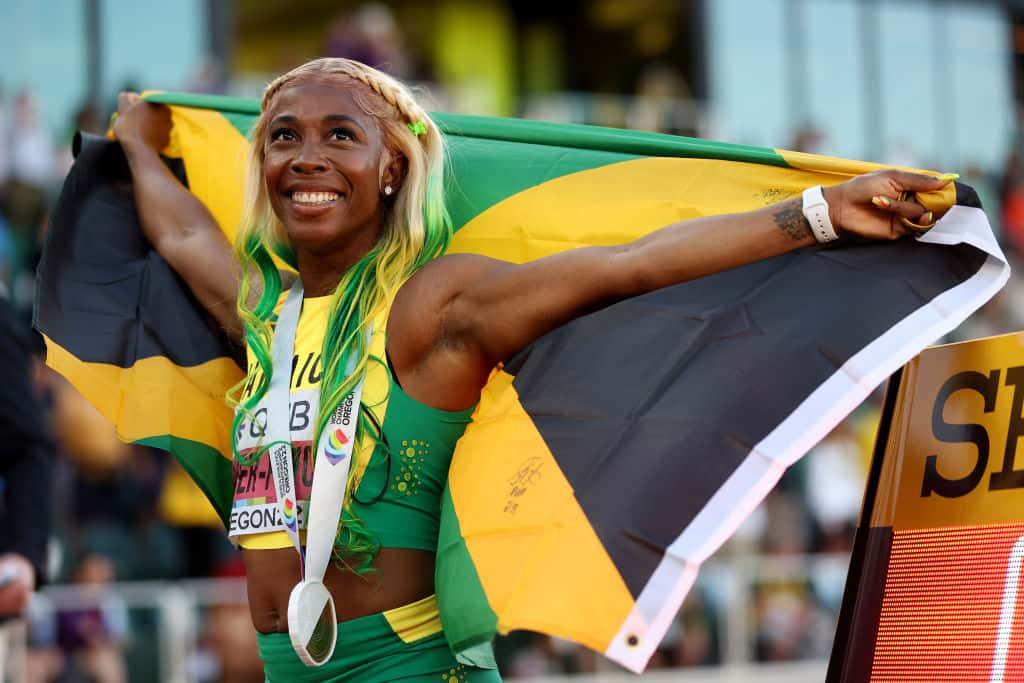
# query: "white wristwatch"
[816,212]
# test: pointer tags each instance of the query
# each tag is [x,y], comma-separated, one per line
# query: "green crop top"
[407,485]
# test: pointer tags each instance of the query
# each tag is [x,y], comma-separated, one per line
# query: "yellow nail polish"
[949,176]
[881,202]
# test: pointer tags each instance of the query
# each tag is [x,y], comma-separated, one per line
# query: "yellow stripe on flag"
[512,465]
[621,202]
[155,380]
[216,159]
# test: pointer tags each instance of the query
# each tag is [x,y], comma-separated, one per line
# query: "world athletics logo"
[288,510]
[335,449]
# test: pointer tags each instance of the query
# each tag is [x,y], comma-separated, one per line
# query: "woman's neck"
[317,281]
[321,272]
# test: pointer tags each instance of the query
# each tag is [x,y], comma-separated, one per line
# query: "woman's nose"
[309,158]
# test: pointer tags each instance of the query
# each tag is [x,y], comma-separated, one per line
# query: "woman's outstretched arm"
[175,222]
[491,309]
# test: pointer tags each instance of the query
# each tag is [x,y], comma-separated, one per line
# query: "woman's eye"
[282,134]
[340,134]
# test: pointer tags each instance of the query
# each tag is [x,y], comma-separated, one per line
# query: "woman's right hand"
[141,123]
[174,221]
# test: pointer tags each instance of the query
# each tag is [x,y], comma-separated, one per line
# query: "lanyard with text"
[312,623]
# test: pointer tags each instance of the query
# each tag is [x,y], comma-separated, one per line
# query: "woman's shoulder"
[429,287]
[434,289]
[447,275]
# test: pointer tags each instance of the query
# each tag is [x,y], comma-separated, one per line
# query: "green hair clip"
[417,128]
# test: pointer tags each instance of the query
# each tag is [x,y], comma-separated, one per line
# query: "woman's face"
[322,167]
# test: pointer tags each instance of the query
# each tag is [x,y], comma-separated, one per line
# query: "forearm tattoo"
[790,217]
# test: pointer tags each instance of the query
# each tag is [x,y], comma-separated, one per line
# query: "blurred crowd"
[129,513]
[121,512]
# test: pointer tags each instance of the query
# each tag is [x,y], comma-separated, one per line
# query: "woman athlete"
[345,182]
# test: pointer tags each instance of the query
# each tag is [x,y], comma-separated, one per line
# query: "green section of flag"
[629,142]
[511,167]
[221,103]
[241,122]
[494,158]
[207,467]
[468,619]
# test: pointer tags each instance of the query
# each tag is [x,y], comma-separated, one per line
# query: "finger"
[918,182]
[903,208]
[900,230]
[13,600]
[162,109]
[921,225]
[125,100]
[910,210]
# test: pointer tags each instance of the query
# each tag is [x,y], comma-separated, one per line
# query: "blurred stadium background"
[144,585]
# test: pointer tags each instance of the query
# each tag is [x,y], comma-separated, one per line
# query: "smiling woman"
[321,171]
[346,185]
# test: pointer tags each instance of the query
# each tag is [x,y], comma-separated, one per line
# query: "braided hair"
[416,229]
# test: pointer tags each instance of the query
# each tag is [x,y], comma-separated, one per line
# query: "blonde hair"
[416,228]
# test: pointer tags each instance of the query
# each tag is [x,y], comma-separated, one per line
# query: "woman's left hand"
[870,206]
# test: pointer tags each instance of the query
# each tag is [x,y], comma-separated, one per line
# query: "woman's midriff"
[400,577]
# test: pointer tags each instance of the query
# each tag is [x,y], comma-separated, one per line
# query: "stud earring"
[388,190]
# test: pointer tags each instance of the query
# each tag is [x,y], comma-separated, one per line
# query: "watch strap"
[815,210]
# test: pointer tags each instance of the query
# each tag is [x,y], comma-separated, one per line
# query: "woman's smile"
[313,198]
[312,203]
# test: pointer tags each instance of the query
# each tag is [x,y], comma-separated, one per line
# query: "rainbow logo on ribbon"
[288,510]
[335,449]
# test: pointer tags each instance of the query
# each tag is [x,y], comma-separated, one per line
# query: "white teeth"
[314,197]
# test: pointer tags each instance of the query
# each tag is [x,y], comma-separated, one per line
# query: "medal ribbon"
[333,454]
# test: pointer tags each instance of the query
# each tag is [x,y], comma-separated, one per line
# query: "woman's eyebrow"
[284,118]
[330,118]
[344,117]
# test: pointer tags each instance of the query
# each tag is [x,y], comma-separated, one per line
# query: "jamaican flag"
[610,458]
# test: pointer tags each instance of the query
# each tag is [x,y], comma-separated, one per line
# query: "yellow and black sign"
[933,591]
[951,457]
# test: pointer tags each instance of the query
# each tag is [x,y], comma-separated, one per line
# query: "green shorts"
[403,644]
